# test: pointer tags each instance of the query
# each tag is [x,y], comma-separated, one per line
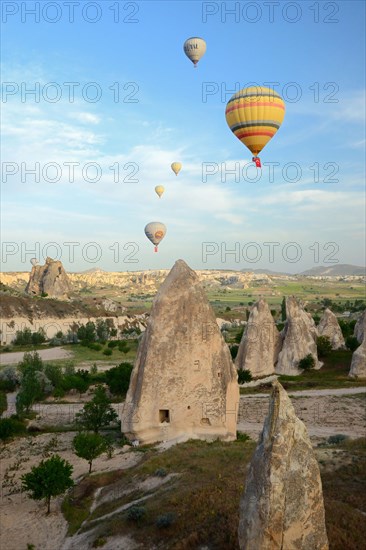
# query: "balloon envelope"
[176,167]
[194,48]
[155,232]
[254,115]
[34,261]
[159,190]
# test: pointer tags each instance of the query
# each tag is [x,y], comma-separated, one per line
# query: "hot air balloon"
[194,48]
[159,190]
[155,232]
[176,167]
[254,115]
[34,261]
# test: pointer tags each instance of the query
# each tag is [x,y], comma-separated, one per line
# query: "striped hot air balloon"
[254,115]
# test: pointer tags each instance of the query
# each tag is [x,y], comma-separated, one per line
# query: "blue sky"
[311,188]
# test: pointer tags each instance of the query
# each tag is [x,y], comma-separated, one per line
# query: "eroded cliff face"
[282,506]
[49,279]
[184,383]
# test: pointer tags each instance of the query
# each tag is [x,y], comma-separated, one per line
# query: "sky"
[98,99]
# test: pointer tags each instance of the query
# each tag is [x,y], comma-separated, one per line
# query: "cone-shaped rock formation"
[282,506]
[329,326]
[184,383]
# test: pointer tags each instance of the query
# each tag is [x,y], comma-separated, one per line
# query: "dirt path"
[315,393]
[49,354]
[324,412]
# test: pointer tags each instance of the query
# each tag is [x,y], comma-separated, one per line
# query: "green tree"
[323,345]
[283,310]
[118,378]
[89,446]
[352,343]
[31,362]
[49,479]
[97,413]
[38,337]
[23,337]
[87,333]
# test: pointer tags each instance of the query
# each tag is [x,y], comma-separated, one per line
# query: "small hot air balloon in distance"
[155,232]
[194,48]
[159,190]
[34,262]
[254,115]
[176,167]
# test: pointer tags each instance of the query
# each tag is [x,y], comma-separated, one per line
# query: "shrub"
[307,362]
[123,347]
[10,427]
[108,352]
[244,376]
[336,439]
[323,345]
[241,436]
[136,513]
[3,402]
[94,346]
[160,472]
[9,379]
[113,344]
[352,343]
[165,520]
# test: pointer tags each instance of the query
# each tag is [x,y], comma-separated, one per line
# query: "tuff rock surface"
[300,335]
[360,327]
[329,326]
[282,505]
[50,279]
[261,342]
[358,363]
[184,383]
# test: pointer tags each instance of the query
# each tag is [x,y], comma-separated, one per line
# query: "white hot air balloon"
[155,232]
[34,261]
[194,48]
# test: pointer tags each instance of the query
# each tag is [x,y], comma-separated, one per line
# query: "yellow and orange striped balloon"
[254,115]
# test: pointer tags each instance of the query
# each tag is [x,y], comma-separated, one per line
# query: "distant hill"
[338,270]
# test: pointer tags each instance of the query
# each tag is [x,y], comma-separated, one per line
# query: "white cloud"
[87,118]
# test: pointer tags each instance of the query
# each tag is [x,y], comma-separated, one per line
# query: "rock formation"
[299,339]
[358,363]
[261,342]
[282,506]
[360,327]
[50,279]
[328,326]
[184,383]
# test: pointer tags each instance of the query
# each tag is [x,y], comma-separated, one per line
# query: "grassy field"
[84,354]
[333,374]
[200,503]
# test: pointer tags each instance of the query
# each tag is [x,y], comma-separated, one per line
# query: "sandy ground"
[23,521]
[16,509]
[48,354]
